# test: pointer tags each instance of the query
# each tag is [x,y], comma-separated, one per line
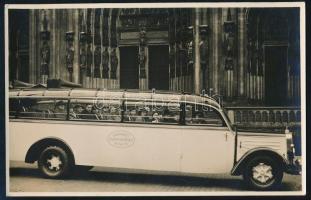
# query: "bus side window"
[151,112]
[203,115]
[13,108]
[91,110]
[137,112]
[43,108]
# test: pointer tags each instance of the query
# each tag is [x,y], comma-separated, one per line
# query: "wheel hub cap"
[262,173]
[54,163]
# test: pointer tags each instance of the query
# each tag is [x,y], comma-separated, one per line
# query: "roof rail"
[59,83]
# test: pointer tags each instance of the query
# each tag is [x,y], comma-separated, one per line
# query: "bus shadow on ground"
[225,182]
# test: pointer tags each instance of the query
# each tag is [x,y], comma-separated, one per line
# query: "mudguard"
[238,166]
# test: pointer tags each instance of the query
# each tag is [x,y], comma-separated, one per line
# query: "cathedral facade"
[248,56]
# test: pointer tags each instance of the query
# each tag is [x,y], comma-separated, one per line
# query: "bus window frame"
[225,124]
[39,97]
[96,121]
[182,112]
[151,101]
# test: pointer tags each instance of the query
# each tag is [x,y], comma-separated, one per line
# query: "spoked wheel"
[54,162]
[263,173]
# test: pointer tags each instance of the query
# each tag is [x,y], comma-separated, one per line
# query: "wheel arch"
[238,167]
[34,151]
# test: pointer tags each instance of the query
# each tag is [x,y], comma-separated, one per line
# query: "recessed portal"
[129,67]
[275,75]
[158,67]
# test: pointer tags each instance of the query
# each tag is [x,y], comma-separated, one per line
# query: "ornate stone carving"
[114,64]
[142,36]
[142,60]
[45,47]
[45,58]
[229,29]
[83,38]
[204,54]
[69,51]
[190,52]
[141,56]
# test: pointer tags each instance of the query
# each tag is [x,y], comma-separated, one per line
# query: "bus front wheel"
[263,173]
[54,162]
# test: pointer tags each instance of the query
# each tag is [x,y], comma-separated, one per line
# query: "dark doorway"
[158,67]
[129,68]
[19,45]
[275,75]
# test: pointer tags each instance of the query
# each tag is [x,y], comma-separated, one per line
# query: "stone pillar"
[215,48]
[32,46]
[242,61]
[143,81]
[76,63]
[54,51]
[44,45]
[70,36]
[229,44]
[197,67]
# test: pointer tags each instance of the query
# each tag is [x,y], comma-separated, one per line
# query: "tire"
[54,162]
[263,173]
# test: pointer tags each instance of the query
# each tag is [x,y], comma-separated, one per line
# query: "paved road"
[26,178]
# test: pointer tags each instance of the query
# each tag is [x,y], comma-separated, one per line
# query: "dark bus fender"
[239,165]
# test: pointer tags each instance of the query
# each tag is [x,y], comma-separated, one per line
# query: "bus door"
[207,143]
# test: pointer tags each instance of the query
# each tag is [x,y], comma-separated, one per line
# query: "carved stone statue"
[82,58]
[45,58]
[69,56]
[142,59]
[114,64]
[105,63]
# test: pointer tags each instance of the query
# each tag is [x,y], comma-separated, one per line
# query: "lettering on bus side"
[121,139]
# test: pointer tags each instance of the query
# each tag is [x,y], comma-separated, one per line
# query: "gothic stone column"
[76,64]
[241,51]
[216,30]
[197,67]
[32,46]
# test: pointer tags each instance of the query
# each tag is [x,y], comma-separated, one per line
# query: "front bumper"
[293,167]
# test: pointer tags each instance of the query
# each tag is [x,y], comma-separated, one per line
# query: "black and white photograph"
[155,99]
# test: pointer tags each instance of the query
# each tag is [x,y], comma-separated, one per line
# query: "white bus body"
[178,148]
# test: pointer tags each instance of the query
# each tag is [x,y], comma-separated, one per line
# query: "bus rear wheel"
[54,162]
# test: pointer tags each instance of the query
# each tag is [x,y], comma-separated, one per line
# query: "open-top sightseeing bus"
[146,132]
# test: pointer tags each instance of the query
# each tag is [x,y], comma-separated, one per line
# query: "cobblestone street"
[26,178]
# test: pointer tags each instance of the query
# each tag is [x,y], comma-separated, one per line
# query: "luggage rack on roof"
[59,84]
[17,84]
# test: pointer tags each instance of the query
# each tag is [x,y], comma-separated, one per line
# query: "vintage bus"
[146,132]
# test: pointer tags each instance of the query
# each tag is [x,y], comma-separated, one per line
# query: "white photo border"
[300,5]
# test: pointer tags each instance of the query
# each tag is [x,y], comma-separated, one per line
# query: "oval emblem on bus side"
[121,139]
